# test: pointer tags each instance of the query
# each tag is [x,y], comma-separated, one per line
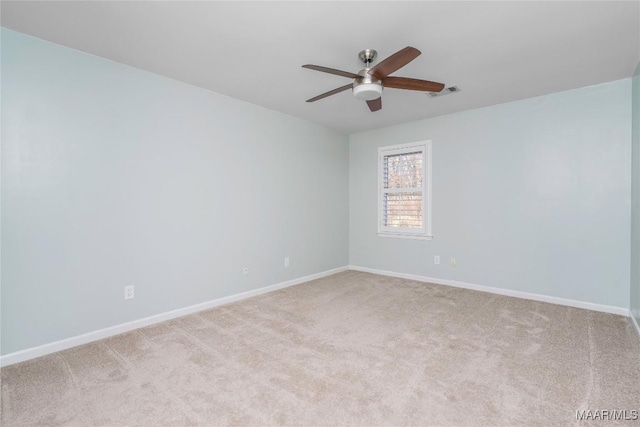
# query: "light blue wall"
[115,176]
[635,198]
[530,195]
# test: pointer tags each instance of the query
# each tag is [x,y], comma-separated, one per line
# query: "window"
[404,197]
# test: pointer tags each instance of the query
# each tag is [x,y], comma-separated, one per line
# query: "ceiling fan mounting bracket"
[367,56]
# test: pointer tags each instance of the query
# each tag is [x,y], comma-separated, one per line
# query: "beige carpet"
[349,349]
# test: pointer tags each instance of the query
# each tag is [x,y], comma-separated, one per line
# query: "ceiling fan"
[369,82]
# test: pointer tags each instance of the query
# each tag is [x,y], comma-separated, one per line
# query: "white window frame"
[425,232]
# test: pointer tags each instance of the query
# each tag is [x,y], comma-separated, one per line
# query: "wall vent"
[445,91]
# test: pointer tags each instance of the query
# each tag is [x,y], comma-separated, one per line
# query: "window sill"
[406,236]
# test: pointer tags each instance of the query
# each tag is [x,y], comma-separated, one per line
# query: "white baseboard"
[500,291]
[635,322]
[32,353]
[42,350]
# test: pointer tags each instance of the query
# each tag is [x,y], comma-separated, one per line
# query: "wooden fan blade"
[331,92]
[332,71]
[394,62]
[412,84]
[375,104]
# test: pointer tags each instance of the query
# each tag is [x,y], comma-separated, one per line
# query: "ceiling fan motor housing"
[367,87]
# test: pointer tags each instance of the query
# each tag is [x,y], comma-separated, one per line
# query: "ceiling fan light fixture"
[369,82]
[367,91]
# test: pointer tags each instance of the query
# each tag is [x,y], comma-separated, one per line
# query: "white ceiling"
[494,51]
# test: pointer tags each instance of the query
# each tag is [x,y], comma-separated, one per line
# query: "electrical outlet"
[436,259]
[453,262]
[245,270]
[129,292]
[286,261]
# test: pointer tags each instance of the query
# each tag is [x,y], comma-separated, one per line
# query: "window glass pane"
[402,210]
[403,170]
